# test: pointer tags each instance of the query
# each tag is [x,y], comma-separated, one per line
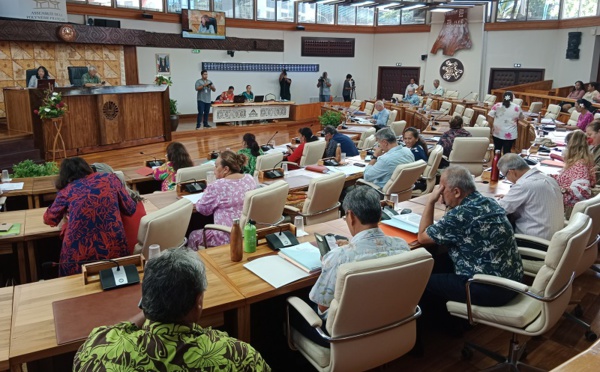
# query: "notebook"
[306,256]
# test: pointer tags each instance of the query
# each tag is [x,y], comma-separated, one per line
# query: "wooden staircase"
[16,147]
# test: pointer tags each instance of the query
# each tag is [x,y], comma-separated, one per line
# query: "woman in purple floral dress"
[224,199]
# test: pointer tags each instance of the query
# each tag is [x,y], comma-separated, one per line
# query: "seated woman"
[248,95]
[177,157]
[593,134]
[584,107]
[592,93]
[576,93]
[224,199]
[447,139]
[130,223]
[251,151]
[416,144]
[42,74]
[578,177]
[306,135]
[93,203]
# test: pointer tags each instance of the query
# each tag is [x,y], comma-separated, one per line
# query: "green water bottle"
[250,237]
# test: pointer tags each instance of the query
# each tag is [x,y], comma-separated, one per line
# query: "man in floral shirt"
[170,338]
[479,239]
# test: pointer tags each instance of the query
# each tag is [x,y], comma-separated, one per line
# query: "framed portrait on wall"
[163,64]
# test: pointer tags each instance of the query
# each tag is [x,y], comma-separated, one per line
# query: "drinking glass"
[343,157]
[5,177]
[394,200]
[363,154]
[299,223]
[210,177]
[153,251]
[285,168]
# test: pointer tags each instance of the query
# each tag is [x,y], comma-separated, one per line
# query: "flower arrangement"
[160,80]
[52,106]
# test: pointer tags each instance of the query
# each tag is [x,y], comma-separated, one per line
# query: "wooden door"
[506,77]
[395,80]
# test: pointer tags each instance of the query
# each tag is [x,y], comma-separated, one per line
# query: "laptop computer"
[239,99]
[45,83]
[259,98]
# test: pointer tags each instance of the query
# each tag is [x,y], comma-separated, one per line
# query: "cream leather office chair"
[263,205]
[479,131]
[468,116]
[597,116]
[402,181]
[489,99]
[312,153]
[355,104]
[392,117]
[363,136]
[573,118]
[2,203]
[451,94]
[398,127]
[552,111]
[267,161]
[430,173]
[445,107]
[474,96]
[165,227]
[470,153]
[458,110]
[322,199]
[480,119]
[420,101]
[518,101]
[369,142]
[536,308]
[428,104]
[364,337]
[535,108]
[197,172]
[369,106]
[398,97]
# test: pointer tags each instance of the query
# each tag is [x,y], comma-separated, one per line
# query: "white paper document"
[11,186]
[193,197]
[275,270]
[347,169]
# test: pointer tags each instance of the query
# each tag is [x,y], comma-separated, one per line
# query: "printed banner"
[35,10]
[223,114]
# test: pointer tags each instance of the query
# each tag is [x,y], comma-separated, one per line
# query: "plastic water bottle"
[250,237]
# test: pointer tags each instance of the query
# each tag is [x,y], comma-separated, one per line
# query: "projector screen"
[202,24]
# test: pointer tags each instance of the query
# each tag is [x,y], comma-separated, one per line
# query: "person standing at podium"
[203,88]
[91,78]
[42,74]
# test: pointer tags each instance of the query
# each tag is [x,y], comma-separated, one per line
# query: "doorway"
[506,77]
[395,80]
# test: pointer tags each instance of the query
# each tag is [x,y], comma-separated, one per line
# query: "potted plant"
[162,80]
[51,112]
[333,118]
[28,168]
[174,114]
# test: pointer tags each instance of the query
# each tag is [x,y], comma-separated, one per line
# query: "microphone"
[109,278]
[465,97]
[152,163]
[49,264]
[281,239]
[267,147]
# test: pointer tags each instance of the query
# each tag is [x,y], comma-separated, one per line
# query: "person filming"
[349,86]
[324,84]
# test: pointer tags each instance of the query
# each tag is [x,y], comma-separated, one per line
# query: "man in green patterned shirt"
[170,337]
[91,78]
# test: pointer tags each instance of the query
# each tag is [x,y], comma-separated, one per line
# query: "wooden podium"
[99,118]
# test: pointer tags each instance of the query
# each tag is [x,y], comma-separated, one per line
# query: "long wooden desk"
[33,332]
[98,117]
[226,112]
[16,241]
[587,361]
[6,301]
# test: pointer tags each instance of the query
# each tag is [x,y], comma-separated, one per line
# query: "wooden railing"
[544,85]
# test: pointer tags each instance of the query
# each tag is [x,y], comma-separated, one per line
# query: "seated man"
[334,138]
[447,139]
[479,239]
[380,119]
[387,156]
[227,96]
[411,97]
[91,78]
[170,337]
[437,89]
[363,212]
[412,85]
[534,201]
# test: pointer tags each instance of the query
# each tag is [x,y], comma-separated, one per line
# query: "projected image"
[202,24]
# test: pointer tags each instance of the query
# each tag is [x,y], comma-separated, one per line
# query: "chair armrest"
[532,253]
[532,242]
[290,162]
[291,209]
[500,282]
[306,311]
[445,158]
[218,227]
[367,183]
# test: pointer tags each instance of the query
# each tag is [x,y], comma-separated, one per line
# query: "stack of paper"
[306,256]
[407,222]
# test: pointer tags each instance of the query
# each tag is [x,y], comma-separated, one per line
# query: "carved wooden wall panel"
[327,47]
[47,31]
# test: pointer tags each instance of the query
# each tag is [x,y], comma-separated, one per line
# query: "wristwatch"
[373,157]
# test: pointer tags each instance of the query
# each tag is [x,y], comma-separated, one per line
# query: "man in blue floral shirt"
[479,239]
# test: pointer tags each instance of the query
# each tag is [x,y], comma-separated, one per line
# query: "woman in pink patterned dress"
[578,177]
[177,157]
[224,199]
[506,116]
